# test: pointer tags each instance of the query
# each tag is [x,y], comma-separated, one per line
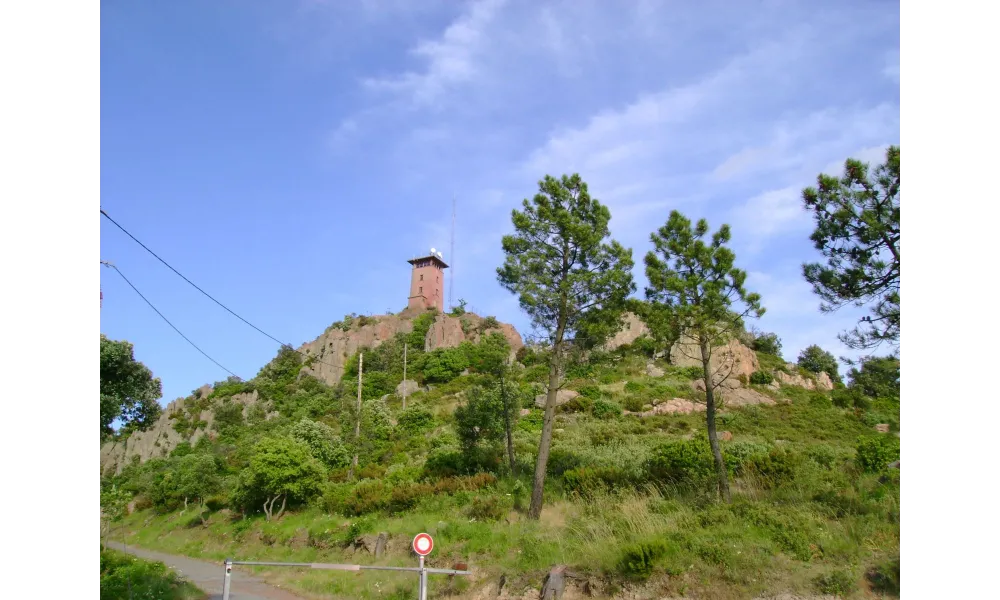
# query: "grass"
[829,527]
[124,577]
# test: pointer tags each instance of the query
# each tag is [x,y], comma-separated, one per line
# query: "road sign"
[423,544]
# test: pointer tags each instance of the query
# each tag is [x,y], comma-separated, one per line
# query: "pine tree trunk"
[713,438]
[538,486]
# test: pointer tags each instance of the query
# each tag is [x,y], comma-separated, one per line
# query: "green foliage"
[230,387]
[838,583]
[761,378]
[480,419]
[125,577]
[681,462]
[458,311]
[487,508]
[444,364]
[421,325]
[606,409]
[768,343]
[414,420]
[323,443]
[490,354]
[816,360]
[227,416]
[587,480]
[638,560]
[884,577]
[876,452]
[771,362]
[877,378]
[488,323]
[282,467]
[858,233]
[773,469]
[129,393]
[114,503]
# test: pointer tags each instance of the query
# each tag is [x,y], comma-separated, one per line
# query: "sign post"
[423,543]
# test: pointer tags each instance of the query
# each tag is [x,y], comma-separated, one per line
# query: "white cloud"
[451,59]
[770,213]
[891,68]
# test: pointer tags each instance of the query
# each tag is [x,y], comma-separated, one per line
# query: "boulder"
[725,436]
[407,387]
[728,361]
[882,428]
[632,329]
[654,371]
[818,382]
[562,397]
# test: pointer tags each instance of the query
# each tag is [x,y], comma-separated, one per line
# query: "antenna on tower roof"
[451,252]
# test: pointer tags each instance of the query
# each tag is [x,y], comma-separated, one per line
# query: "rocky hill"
[331,349]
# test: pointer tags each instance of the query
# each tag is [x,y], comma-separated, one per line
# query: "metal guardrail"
[420,545]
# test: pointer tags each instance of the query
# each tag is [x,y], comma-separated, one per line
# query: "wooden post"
[404,375]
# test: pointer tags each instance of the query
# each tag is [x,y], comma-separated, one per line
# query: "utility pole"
[404,375]
[357,422]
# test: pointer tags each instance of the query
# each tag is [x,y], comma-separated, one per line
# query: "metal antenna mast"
[451,253]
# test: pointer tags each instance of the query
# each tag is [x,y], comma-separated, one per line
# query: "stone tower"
[427,282]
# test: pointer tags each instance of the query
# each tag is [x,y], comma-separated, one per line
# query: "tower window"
[421,290]
[421,278]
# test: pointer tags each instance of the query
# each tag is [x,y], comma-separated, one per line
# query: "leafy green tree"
[323,442]
[129,393]
[114,505]
[444,364]
[877,378]
[768,343]
[570,279]
[857,231]
[817,360]
[280,468]
[480,418]
[492,356]
[197,477]
[700,284]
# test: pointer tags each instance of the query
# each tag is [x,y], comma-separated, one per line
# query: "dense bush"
[768,343]
[816,360]
[681,462]
[323,442]
[444,364]
[774,468]
[487,508]
[561,460]
[606,409]
[884,577]
[585,480]
[877,378]
[875,453]
[415,420]
[761,378]
[639,560]
[838,583]
[125,577]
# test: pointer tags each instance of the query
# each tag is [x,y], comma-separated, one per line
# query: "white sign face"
[423,544]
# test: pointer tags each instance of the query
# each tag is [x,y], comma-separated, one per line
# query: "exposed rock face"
[562,397]
[335,346]
[407,385]
[653,370]
[822,381]
[160,439]
[728,361]
[632,329]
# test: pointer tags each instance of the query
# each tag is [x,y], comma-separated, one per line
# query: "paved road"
[208,576]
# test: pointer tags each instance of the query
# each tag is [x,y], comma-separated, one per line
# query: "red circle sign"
[423,544]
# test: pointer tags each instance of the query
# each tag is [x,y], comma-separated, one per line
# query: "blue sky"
[290,156]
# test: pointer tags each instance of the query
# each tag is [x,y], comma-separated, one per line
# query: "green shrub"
[560,461]
[738,454]
[638,560]
[874,453]
[585,480]
[591,391]
[761,378]
[690,373]
[822,454]
[633,404]
[445,462]
[634,387]
[839,583]
[820,400]
[843,397]
[606,409]
[884,577]
[415,419]
[124,577]
[366,497]
[579,404]
[406,495]
[487,508]
[681,461]
[774,468]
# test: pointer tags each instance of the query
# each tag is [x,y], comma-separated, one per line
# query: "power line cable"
[315,359]
[174,327]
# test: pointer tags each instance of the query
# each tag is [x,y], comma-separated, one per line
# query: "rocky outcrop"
[336,345]
[160,439]
[818,382]
[727,362]
[632,329]
[562,397]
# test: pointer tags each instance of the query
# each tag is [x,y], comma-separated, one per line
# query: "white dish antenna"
[433,251]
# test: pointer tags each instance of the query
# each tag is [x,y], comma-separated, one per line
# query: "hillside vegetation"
[630,499]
